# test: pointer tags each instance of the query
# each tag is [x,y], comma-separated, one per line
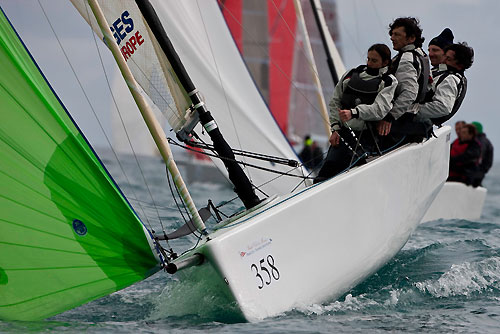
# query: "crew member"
[412,70]
[437,46]
[449,85]
[363,94]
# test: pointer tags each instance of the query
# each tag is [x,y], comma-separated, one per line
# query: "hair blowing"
[464,54]
[412,29]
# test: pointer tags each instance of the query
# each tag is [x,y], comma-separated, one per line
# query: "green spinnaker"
[67,235]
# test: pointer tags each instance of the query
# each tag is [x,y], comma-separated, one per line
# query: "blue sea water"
[446,279]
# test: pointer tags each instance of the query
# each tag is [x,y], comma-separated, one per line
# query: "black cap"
[444,39]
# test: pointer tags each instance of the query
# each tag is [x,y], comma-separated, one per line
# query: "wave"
[465,279]
[427,276]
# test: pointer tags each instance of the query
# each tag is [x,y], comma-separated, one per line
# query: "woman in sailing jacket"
[363,94]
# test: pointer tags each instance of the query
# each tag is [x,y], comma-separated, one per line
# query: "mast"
[314,70]
[334,61]
[320,21]
[152,123]
[237,176]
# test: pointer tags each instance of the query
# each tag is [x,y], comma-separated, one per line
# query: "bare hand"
[334,139]
[383,128]
[345,115]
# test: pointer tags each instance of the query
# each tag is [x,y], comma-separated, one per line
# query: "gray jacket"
[407,90]
[367,112]
[444,97]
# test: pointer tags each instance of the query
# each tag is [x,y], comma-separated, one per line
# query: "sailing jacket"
[408,68]
[446,94]
[486,153]
[464,161]
[362,112]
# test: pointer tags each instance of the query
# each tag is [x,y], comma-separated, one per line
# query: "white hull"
[326,239]
[457,201]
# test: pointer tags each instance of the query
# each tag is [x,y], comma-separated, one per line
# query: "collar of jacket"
[373,73]
[408,47]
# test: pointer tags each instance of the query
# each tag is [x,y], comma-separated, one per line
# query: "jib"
[122,26]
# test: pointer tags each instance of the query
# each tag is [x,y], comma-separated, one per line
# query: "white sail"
[150,68]
[201,38]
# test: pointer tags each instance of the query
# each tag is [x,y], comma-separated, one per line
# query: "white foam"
[350,303]
[464,279]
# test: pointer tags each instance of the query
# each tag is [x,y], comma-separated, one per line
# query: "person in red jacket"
[455,146]
[465,156]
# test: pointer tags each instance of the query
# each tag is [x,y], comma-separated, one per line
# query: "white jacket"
[445,95]
[407,90]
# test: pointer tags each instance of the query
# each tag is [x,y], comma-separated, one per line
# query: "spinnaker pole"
[312,66]
[154,127]
[237,176]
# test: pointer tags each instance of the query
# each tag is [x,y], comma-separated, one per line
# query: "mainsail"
[67,234]
[202,40]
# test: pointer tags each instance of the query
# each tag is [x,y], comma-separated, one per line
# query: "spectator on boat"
[464,158]
[486,160]
[458,126]
[412,70]
[449,85]
[311,154]
[363,94]
[437,46]
[456,144]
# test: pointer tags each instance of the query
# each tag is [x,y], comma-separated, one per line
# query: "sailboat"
[68,229]
[457,200]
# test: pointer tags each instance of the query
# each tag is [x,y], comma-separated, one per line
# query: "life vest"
[422,65]
[462,89]
[360,91]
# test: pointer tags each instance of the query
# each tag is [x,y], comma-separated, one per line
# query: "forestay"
[201,38]
[67,234]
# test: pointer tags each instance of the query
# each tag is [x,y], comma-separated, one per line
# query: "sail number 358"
[265,271]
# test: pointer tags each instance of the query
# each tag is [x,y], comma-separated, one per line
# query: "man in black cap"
[437,46]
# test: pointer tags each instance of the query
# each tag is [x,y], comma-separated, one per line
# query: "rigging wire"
[292,83]
[243,163]
[125,130]
[91,107]
[178,206]
[309,62]
[221,83]
[259,156]
[123,124]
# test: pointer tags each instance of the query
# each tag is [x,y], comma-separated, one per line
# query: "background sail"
[282,66]
[202,40]
[67,235]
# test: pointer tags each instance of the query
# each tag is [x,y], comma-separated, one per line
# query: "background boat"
[457,201]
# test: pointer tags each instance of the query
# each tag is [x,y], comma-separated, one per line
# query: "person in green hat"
[486,159]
